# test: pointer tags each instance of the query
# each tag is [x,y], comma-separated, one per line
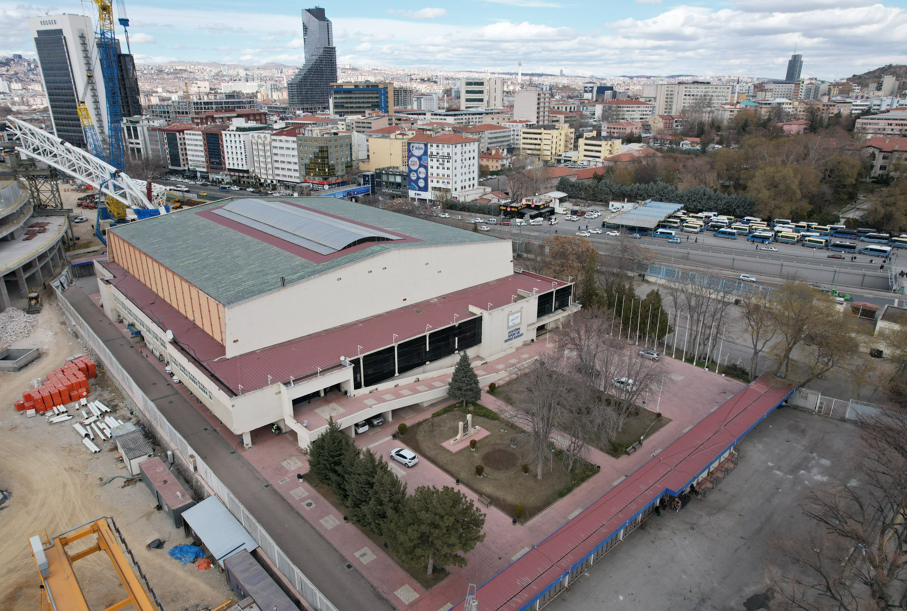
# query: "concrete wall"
[376,285]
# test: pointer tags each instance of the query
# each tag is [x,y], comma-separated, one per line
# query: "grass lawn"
[637,423]
[416,571]
[503,480]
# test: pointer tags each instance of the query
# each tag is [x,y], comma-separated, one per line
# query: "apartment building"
[361,98]
[673,98]
[622,129]
[612,111]
[367,124]
[489,136]
[387,148]
[425,102]
[481,93]
[887,156]
[140,142]
[533,104]
[495,160]
[226,117]
[403,98]
[546,142]
[442,166]
[516,128]
[237,140]
[285,154]
[174,138]
[597,148]
[665,123]
[260,148]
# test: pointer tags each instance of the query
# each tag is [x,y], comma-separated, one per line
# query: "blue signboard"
[417,167]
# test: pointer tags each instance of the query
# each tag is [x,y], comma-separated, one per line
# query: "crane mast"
[107,51]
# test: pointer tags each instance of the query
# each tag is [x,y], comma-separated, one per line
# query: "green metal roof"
[232,267]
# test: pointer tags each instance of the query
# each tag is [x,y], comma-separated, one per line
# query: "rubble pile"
[15,325]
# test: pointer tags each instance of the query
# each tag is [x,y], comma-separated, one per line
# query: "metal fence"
[309,592]
[839,409]
[724,285]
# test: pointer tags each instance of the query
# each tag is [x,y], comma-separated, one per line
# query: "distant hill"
[897,70]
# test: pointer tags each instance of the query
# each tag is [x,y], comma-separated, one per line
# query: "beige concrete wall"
[376,285]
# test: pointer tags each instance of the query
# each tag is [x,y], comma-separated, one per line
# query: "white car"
[361,427]
[769,248]
[234,188]
[582,234]
[613,233]
[250,190]
[80,219]
[552,222]
[484,228]
[747,278]
[595,230]
[476,220]
[404,457]
[444,215]
[623,384]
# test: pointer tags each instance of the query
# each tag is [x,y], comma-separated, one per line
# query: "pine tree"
[340,478]
[386,501]
[464,384]
[326,453]
[434,526]
[590,291]
[360,485]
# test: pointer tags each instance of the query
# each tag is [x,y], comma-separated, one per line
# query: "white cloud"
[425,13]
[366,46]
[296,43]
[528,3]
[142,39]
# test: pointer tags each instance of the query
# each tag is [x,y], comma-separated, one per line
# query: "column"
[4,296]
[23,286]
[247,439]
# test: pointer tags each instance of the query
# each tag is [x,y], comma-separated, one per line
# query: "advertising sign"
[417,168]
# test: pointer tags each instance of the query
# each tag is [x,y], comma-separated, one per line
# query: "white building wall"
[376,285]
[453,167]
[195,150]
[238,150]
[285,155]
[262,163]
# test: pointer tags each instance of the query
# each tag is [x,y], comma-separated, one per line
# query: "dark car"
[835,255]
[376,421]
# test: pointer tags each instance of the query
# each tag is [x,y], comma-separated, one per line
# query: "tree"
[758,320]
[567,254]
[797,311]
[385,501]
[464,384]
[776,190]
[590,291]
[854,557]
[360,485]
[327,452]
[434,526]
[340,478]
[831,342]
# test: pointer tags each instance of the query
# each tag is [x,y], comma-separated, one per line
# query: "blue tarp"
[186,553]
[145,213]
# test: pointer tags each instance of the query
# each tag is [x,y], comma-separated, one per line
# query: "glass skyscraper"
[794,67]
[310,89]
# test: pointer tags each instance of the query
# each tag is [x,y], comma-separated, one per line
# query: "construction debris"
[15,325]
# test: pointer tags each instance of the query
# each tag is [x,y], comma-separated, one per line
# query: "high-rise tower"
[794,67]
[310,89]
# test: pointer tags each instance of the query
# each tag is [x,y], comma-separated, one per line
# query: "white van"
[536,222]
[492,221]
[519,222]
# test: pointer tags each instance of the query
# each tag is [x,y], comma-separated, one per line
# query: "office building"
[597,93]
[142,141]
[597,148]
[65,45]
[130,98]
[546,142]
[174,137]
[623,110]
[426,102]
[387,148]
[310,88]
[403,98]
[481,93]
[794,68]
[325,156]
[356,99]
[533,104]
[673,98]
[489,136]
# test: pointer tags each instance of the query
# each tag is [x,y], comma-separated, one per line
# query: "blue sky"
[658,37]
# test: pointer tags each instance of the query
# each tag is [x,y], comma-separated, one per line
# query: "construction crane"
[61,591]
[91,133]
[107,51]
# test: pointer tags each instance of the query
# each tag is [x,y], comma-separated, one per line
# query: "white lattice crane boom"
[42,146]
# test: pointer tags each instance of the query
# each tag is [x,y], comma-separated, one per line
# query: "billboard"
[417,167]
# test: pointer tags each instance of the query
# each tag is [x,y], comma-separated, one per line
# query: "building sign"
[417,167]
[514,334]
[514,319]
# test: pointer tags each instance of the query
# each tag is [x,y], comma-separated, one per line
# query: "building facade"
[361,98]
[533,104]
[887,124]
[794,68]
[887,156]
[403,98]
[623,110]
[141,140]
[490,136]
[546,142]
[443,166]
[592,148]
[481,93]
[673,98]
[325,156]
[310,88]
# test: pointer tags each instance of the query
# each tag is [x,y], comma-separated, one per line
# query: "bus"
[759,227]
[821,229]
[848,247]
[788,237]
[692,227]
[899,241]
[740,229]
[698,217]
[713,226]
[706,215]
[878,238]
[865,230]
[752,219]
[729,234]
[664,233]
[876,251]
[844,233]
[761,236]
[815,242]
[801,227]
[669,224]
[777,222]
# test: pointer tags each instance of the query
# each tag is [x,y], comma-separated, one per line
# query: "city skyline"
[649,37]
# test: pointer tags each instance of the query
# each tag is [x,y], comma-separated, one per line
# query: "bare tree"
[855,556]
[758,321]
[796,310]
[627,377]
[701,302]
[526,178]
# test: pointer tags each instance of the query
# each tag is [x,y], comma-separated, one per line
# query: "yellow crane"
[60,589]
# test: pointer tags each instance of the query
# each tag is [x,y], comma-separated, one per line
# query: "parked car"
[476,220]
[458,217]
[224,188]
[444,215]
[553,221]
[484,228]
[505,222]
[202,193]
[623,384]
[80,219]
[376,421]
[652,355]
[234,188]
[747,278]
[404,457]
[769,248]
[673,240]
[250,190]
[582,234]
[361,427]
[820,287]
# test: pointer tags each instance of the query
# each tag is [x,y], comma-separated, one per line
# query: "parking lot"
[714,553]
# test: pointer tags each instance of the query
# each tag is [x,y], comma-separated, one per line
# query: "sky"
[837,38]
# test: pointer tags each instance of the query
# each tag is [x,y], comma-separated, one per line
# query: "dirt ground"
[503,480]
[54,483]
[83,231]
